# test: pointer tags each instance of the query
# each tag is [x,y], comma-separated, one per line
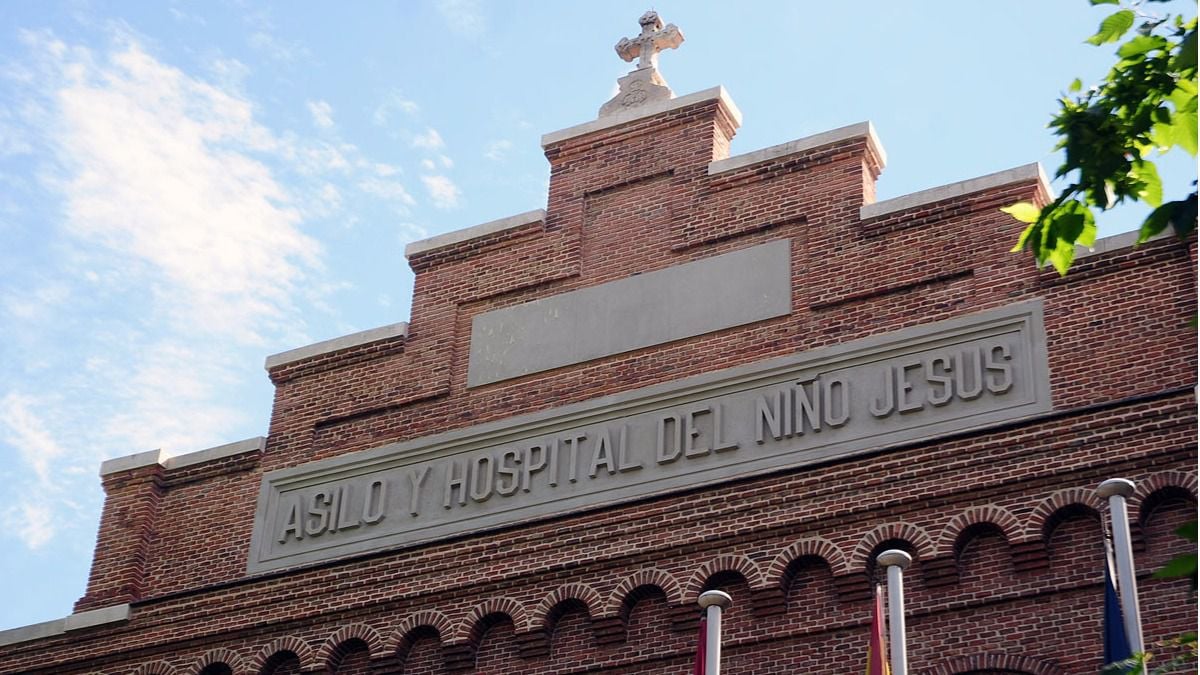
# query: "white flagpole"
[713,602]
[1115,490]
[896,561]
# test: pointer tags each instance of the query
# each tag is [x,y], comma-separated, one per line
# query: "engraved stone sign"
[914,384]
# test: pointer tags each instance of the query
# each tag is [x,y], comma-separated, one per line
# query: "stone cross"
[644,84]
[653,39]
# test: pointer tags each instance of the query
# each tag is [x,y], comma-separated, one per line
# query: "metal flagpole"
[1115,490]
[896,561]
[713,602]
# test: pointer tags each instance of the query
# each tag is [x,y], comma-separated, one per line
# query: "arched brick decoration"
[1164,480]
[995,661]
[226,656]
[155,668]
[359,631]
[741,564]
[977,515]
[644,577]
[1039,519]
[286,643]
[430,618]
[467,631]
[809,546]
[540,618]
[914,535]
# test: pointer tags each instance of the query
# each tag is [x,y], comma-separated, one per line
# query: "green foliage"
[1146,106]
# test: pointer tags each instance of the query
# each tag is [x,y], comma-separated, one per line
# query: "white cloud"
[464,17]
[161,170]
[497,150]
[21,428]
[430,140]
[392,103]
[179,250]
[429,165]
[32,522]
[322,113]
[442,190]
[390,190]
[277,49]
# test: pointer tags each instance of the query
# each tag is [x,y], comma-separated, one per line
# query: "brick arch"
[331,649]
[818,547]
[1157,482]
[222,655]
[977,515]
[725,562]
[649,576]
[541,616]
[286,643]
[426,618]
[155,668]
[905,531]
[513,609]
[995,661]
[1039,518]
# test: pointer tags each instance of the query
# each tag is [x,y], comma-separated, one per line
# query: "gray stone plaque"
[694,298]
[914,384]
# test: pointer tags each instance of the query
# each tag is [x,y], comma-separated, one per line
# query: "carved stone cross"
[644,85]
[653,39]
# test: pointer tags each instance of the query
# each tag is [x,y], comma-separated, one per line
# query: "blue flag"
[1116,642]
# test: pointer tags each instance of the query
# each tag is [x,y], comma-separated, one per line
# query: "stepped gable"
[690,371]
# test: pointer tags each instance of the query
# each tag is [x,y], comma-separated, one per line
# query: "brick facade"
[1003,522]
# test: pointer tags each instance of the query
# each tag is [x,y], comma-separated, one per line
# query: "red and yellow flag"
[699,664]
[877,663]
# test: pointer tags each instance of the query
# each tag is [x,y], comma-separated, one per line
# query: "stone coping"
[469,233]
[1116,241]
[937,194]
[168,461]
[344,342]
[800,145]
[45,629]
[649,110]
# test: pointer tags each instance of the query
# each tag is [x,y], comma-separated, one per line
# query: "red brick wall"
[1003,523]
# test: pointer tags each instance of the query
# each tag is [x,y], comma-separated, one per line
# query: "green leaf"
[1157,221]
[1183,565]
[1150,190]
[1025,212]
[1140,45]
[1113,27]
[1185,59]
[1105,2]
[1187,531]
[1184,131]
[1076,85]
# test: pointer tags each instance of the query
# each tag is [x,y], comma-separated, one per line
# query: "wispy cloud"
[179,249]
[442,191]
[393,103]
[497,150]
[322,113]
[429,140]
[464,17]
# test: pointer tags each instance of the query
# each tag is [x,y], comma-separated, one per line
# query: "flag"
[1116,642]
[699,665]
[877,648]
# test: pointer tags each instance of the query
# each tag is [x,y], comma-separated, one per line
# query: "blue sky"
[186,188]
